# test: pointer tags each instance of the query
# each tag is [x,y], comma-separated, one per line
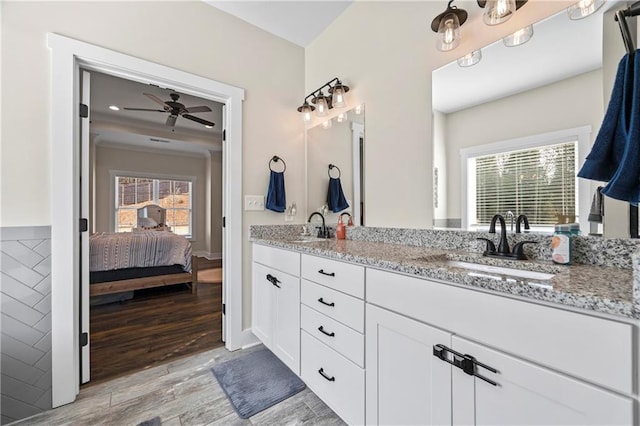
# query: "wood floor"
[157,326]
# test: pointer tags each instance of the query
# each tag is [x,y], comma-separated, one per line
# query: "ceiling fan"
[175,109]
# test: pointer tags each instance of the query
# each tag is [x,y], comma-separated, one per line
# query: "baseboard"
[207,255]
[249,339]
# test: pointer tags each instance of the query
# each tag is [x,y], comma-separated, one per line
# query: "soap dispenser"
[340,229]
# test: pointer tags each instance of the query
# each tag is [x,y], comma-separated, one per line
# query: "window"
[534,175]
[175,195]
[538,182]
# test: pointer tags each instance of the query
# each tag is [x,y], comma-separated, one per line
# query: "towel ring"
[333,166]
[275,159]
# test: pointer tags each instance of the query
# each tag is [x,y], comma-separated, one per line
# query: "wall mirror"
[339,142]
[510,131]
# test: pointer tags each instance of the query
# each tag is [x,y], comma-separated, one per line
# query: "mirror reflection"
[334,161]
[511,130]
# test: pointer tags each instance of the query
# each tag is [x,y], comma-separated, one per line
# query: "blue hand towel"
[335,197]
[625,183]
[276,199]
[606,153]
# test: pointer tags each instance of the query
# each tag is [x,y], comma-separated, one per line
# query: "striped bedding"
[109,251]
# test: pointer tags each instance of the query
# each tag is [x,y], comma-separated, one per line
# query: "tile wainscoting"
[25,344]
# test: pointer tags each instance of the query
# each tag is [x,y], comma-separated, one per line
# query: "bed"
[145,258]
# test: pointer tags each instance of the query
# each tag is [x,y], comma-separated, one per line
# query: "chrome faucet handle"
[490,248]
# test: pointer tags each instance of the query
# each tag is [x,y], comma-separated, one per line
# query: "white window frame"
[580,134]
[114,174]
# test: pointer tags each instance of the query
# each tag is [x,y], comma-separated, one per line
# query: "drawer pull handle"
[329,274]
[323,374]
[321,300]
[322,330]
[273,280]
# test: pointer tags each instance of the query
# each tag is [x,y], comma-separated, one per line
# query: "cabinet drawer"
[341,276]
[339,337]
[283,260]
[343,308]
[335,379]
[595,349]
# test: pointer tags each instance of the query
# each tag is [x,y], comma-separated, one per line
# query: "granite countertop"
[596,288]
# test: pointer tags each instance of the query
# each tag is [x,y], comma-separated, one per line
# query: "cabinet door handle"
[323,374]
[321,300]
[273,280]
[465,362]
[329,274]
[322,330]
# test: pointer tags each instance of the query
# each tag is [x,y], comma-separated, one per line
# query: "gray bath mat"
[256,381]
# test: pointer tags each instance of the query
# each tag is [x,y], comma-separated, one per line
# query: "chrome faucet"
[322,232]
[522,218]
[509,215]
[503,245]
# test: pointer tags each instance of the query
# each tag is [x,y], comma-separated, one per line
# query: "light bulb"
[306,111]
[338,98]
[519,37]
[321,105]
[584,8]
[448,33]
[498,11]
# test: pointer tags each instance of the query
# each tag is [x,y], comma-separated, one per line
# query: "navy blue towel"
[625,183]
[335,197]
[276,199]
[606,153]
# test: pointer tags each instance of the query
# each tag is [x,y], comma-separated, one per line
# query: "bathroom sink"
[307,239]
[492,269]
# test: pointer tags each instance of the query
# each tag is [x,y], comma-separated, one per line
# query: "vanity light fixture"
[447,25]
[470,58]
[584,8]
[519,37]
[323,103]
[499,11]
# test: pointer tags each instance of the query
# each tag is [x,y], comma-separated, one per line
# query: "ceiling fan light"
[584,8]
[519,37]
[470,59]
[498,11]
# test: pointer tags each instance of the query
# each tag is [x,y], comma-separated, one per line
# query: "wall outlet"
[254,202]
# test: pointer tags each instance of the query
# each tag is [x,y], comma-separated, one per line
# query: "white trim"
[581,134]
[67,57]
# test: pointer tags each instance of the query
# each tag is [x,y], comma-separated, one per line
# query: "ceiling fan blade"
[154,98]
[144,109]
[171,120]
[198,120]
[191,110]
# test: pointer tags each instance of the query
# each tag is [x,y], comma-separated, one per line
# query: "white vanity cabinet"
[276,302]
[332,349]
[552,366]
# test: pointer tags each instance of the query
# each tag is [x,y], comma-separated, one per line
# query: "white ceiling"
[300,22]
[148,129]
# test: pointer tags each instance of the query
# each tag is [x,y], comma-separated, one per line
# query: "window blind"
[538,182]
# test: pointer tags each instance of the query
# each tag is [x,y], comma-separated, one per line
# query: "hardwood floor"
[157,326]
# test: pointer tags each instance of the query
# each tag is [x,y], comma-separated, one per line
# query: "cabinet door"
[405,383]
[262,305]
[286,320]
[527,394]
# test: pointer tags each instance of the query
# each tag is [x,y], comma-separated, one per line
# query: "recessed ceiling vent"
[159,140]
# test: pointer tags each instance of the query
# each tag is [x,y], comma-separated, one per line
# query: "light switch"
[254,202]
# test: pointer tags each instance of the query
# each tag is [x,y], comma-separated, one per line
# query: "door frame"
[68,55]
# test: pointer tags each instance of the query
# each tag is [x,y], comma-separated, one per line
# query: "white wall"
[385,51]
[567,104]
[211,44]
[156,163]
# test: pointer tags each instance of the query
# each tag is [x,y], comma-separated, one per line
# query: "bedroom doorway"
[68,56]
[154,178]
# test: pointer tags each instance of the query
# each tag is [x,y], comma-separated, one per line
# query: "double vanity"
[400,327]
